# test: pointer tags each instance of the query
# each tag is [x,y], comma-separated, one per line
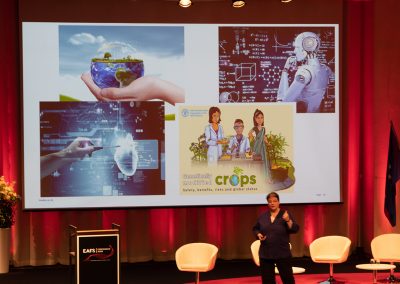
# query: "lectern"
[95,254]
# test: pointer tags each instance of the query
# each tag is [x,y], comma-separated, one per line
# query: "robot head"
[306,43]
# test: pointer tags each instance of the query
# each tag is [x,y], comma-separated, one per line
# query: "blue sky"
[78,44]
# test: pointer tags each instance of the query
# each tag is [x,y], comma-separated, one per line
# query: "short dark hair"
[272,194]
[238,120]
[213,110]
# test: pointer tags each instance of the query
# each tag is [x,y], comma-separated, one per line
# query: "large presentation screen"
[147,115]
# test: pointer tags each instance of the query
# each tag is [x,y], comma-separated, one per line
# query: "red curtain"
[386,103]
[40,237]
[357,133]
[9,92]
[9,96]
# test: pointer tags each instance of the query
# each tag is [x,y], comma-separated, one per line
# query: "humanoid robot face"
[299,52]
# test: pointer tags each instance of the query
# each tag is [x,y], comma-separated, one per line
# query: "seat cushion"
[194,267]
[327,258]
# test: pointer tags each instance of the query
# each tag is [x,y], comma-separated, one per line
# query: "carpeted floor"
[350,278]
[224,272]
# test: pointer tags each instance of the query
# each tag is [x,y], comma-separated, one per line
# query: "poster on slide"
[101,149]
[278,63]
[236,149]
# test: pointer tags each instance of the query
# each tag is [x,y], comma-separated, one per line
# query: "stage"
[225,272]
[350,278]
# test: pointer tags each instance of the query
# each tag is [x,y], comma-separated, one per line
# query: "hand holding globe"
[123,80]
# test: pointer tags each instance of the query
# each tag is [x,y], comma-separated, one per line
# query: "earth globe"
[110,72]
[234,180]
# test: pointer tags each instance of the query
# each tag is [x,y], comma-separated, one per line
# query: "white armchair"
[196,257]
[386,248]
[330,249]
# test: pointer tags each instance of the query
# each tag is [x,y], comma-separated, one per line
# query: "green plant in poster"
[199,149]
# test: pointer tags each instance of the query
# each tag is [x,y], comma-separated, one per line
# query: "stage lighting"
[286,1]
[238,3]
[185,3]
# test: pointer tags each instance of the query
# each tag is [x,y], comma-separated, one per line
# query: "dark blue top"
[276,245]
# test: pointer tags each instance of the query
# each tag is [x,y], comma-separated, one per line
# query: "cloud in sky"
[117,49]
[86,38]
[161,48]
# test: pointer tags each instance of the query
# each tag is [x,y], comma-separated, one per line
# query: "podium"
[95,254]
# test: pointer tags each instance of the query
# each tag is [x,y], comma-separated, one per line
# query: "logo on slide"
[237,178]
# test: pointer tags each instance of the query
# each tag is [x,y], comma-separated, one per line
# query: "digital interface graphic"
[251,61]
[128,142]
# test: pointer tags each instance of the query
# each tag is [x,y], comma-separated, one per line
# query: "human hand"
[286,216]
[251,134]
[234,146]
[75,151]
[142,89]
[78,149]
[261,237]
[290,63]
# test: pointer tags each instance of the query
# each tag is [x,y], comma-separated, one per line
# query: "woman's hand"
[286,216]
[261,237]
[287,219]
[251,135]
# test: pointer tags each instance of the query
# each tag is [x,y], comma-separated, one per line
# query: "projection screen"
[139,115]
